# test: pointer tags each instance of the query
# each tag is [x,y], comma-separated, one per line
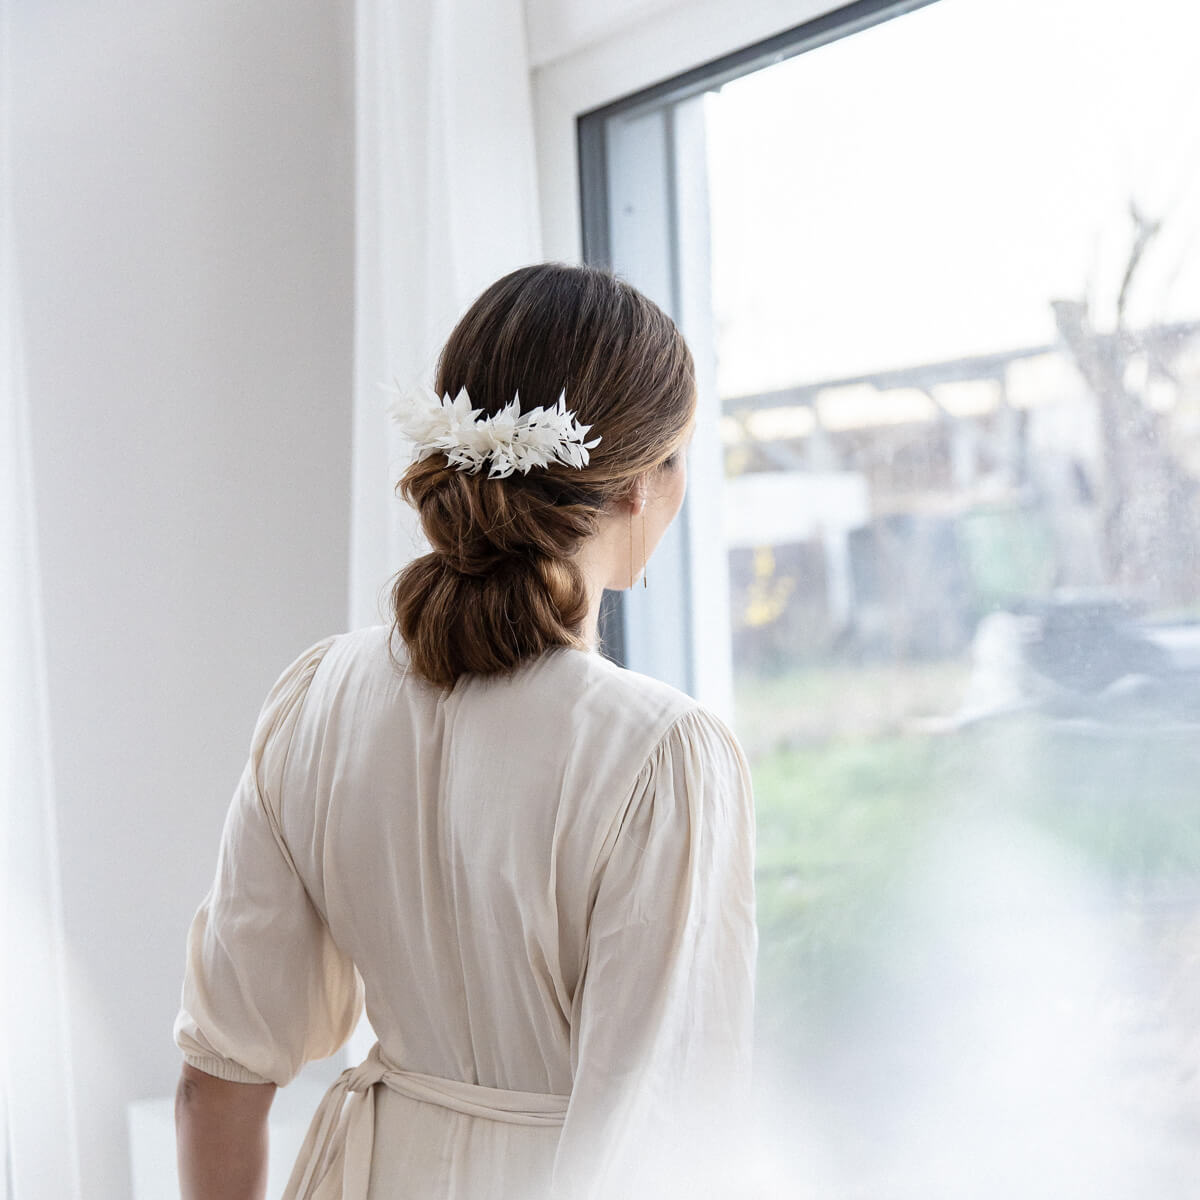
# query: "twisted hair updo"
[500,584]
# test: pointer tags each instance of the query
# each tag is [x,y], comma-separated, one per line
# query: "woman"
[537,866]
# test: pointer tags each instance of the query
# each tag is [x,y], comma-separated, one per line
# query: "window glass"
[954,268]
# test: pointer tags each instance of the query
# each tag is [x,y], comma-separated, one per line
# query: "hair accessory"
[510,440]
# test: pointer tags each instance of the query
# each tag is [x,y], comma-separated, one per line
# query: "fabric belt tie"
[356,1115]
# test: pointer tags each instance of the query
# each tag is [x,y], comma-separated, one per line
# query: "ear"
[636,498]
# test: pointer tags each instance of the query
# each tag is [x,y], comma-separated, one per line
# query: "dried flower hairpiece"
[511,440]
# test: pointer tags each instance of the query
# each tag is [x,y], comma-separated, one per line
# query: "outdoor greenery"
[840,820]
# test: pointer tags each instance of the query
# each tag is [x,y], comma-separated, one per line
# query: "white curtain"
[447,202]
[36,1092]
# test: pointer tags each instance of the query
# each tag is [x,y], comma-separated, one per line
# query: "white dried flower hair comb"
[509,441]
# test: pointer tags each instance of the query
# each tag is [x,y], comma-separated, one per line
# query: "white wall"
[185,234]
[557,28]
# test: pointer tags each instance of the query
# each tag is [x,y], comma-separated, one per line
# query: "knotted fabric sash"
[353,1118]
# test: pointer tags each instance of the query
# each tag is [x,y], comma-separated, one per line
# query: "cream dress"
[543,886]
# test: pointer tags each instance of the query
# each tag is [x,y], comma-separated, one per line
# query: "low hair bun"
[500,573]
[491,622]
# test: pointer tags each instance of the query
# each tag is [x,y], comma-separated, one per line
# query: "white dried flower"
[510,440]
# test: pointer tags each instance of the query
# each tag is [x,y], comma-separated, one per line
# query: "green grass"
[839,822]
[843,702]
[835,824]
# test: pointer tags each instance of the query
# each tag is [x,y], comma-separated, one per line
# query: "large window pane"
[955,292]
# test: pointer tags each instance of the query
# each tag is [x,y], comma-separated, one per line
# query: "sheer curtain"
[447,202]
[36,1093]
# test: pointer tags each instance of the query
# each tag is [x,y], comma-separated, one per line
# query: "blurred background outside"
[956,306]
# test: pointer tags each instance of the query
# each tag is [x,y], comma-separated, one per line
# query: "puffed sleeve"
[266,989]
[663,1021]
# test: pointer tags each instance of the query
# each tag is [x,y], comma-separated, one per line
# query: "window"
[940,564]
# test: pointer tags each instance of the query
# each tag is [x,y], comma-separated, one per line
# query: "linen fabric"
[542,886]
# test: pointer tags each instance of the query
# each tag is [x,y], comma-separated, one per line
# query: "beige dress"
[543,886]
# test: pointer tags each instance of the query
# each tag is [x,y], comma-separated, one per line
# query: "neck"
[596,559]
[591,623]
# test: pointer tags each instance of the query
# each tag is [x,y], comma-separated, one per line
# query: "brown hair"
[501,584]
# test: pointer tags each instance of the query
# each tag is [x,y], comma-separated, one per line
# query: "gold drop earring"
[631,547]
[645,560]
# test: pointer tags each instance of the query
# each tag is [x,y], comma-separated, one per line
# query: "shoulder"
[370,653]
[683,721]
[293,682]
[321,670]
[703,746]
[365,645]
[662,731]
[692,790]
[615,695]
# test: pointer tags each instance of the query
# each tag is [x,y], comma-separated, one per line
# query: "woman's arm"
[662,1022]
[221,1131]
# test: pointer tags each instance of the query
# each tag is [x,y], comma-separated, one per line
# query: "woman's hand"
[221,1134]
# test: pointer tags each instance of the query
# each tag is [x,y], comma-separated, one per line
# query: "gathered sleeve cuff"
[222,1068]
